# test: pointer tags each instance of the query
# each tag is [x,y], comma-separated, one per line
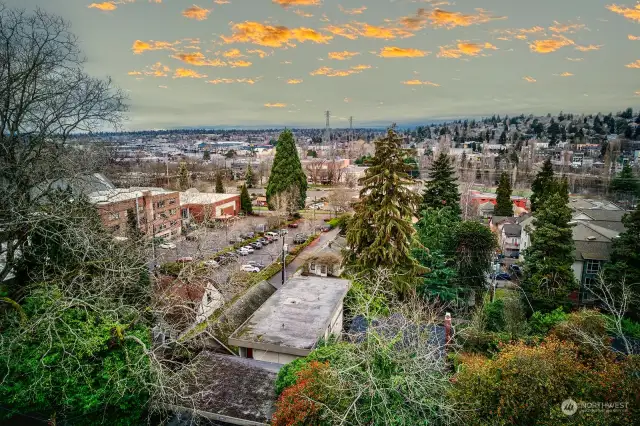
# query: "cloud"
[518,33]
[346,100]
[267,35]
[629,13]
[354,11]
[330,72]
[354,30]
[233,53]
[294,81]
[199,60]
[221,1]
[442,18]
[140,46]
[240,63]
[163,87]
[464,48]
[635,64]
[196,12]
[566,28]
[529,79]
[420,83]
[158,70]
[566,74]
[106,6]
[341,56]
[588,48]
[187,73]
[259,52]
[575,59]
[275,105]
[550,45]
[638,93]
[134,73]
[399,52]
[250,81]
[303,13]
[632,37]
[287,3]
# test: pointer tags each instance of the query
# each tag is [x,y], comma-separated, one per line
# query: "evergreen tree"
[286,173]
[625,257]
[249,177]
[219,185]
[206,155]
[625,186]
[504,206]
[503,138]
[245,201]
[183,176]
[442,189]
[548,277]
[541,184]
[380,234]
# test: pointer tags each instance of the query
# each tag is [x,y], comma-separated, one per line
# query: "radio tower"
[350,128]
[327,127]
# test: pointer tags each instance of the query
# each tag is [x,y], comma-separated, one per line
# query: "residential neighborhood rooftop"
[295,317]
[122,194]
[189,197]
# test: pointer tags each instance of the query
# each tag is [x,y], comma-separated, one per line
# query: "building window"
[114,216]
[173,223]
[312,266]
[593,267]
[173,212]
[172,201]
[160,204]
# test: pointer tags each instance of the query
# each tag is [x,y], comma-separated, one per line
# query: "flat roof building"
[292,321]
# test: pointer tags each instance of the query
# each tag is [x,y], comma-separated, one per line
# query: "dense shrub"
[540,323]
[494,315]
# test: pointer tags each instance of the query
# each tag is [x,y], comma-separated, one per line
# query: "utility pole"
[283,255]
[327,127]
[350,128]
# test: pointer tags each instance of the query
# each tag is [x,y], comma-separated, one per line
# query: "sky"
[248,63]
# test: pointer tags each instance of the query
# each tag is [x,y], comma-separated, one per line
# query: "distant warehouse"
[207,206]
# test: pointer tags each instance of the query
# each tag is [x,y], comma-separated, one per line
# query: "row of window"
[162,203]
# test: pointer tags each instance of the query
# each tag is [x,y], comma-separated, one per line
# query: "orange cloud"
[221,1]
[399,52]
[231,80]
[258,52]
[632,37]
[354,11]
[566,74]
[267,35]
[550,45]
[158,70]
[629,13]
[529,79]
[287,3]
[464,48]
[341,56]
[518,33]
[588,48]
[240,63]
[140,46]
[635,64]
[134,73]
[233,53]
[354,30]
[420,83]
[575,59]
[187,73]
[566,28]
[294,81]
[275,105]
[330,72]
[106,6]
[196,12]
[199,60]
[303,13]
[443,18]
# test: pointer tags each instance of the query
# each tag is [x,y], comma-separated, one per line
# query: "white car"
[211,263]
[248,249]
[242,251]
[273,235]
[249,268]
[167,246]
[284,231]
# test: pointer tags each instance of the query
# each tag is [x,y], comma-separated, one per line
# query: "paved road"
[314,247]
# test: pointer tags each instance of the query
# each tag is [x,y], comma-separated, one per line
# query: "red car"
[293,225]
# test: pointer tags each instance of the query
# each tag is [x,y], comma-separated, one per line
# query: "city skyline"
[236,63]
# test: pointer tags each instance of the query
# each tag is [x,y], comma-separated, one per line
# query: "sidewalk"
[314,247]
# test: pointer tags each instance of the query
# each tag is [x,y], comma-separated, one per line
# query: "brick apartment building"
[206,206]
[157,210]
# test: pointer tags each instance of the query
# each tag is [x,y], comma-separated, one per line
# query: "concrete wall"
[577,269]
[276,357]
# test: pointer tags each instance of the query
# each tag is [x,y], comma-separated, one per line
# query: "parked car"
[256,245]
[503,276]
[514,255]
[242,251]
[249,249]
[185,259]
[234,240]
[167,246]
[249,268]
[299,238]
[326,228]
[191,238]
[211,263]
[293,225]
[273,235]
[265,240]
[516,269]
[257,265]
[250,234]
[284,231]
